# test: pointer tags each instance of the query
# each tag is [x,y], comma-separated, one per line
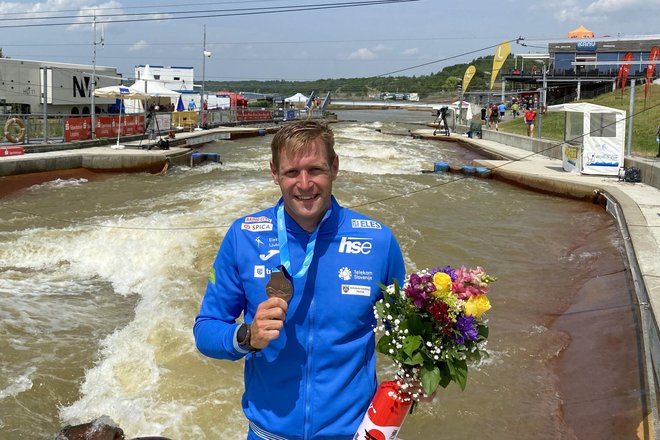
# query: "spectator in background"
[530,119]
[502,109]
[494,117]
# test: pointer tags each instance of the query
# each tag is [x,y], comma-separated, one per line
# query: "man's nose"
[304,179]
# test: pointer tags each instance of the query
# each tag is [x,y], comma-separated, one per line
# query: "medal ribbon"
[283,240]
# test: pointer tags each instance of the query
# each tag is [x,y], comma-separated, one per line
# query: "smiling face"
[305,178]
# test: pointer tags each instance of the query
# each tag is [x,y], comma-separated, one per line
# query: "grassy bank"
[646,119]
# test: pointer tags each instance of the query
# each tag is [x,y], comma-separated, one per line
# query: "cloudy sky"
[304,39]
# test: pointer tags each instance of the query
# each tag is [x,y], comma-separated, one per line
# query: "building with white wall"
[67,87]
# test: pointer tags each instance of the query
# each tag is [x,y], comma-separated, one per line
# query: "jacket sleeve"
[395,264]
[224,300]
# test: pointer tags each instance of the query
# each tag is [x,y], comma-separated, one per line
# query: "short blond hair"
[297,135]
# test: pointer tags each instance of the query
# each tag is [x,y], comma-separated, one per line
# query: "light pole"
[93,109]
[205,54]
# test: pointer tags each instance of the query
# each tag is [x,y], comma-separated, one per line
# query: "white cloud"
[605,6]
[381,48]
[362,54]
[411,51]
[138,46]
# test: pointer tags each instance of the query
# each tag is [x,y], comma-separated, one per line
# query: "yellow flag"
[501,53]
[467,77]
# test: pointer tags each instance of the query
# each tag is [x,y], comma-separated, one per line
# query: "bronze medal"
[279,286]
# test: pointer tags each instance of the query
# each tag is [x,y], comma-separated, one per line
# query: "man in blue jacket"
[310,363]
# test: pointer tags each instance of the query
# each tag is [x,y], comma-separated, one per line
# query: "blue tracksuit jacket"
[317,379]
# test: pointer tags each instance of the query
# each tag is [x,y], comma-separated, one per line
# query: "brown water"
[100,282]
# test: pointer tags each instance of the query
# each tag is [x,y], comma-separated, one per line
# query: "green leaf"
[430,378]
[415,325]
[416,359]
[383,345]
[411,344]
[459,370]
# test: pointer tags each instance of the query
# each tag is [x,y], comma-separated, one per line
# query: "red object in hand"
[385,415]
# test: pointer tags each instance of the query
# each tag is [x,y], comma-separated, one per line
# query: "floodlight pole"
[202,111]
[93,109]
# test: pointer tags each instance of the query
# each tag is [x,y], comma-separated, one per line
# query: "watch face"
[242,334]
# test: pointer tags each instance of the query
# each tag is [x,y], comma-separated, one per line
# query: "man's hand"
[267,322]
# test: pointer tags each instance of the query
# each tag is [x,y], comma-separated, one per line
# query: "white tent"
[148,85]
[298,97]
[594,138]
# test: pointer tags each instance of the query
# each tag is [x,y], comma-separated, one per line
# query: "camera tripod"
[152,128]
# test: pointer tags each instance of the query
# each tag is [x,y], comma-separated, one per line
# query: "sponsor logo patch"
[257,227]
[257,219]
[260,271]
[355,245]
[352,289]
[357,223]
[271,253]
[345,274]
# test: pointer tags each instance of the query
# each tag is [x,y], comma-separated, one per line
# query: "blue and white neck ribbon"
[283,240]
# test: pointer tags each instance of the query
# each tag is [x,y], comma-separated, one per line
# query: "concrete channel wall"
[650,169]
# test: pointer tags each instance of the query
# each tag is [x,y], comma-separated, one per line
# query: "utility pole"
[205,54]
[542,100]
[631,112]
[93,109]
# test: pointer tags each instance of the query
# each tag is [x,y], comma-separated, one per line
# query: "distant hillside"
[442,83]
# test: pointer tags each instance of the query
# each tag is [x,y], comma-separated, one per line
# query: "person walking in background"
[514,109]
[502,109]
[494,117]
[484,111]
[530,119]
[307,336]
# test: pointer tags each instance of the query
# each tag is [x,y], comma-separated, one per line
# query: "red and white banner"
[650,68]
[622,76]
[78,129]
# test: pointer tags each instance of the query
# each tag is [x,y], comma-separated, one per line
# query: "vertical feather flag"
[622,76]
[467,77]
[650,68]
[501,53]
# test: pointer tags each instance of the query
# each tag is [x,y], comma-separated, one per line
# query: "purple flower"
[466,329]
[419,289]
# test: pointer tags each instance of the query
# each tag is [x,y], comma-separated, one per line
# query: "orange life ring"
[21,125]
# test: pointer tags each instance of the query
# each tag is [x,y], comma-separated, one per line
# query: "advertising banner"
[467,77]
[501,53]
[650,68]
[79,129]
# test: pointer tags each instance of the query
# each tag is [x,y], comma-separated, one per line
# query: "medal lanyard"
[283,240]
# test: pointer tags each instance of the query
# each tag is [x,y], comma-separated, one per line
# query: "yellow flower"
[476,305]
[442,283]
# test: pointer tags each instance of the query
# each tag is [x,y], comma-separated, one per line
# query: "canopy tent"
[121,92]
[581,32]
[594,138]
[153,88]
[298,97]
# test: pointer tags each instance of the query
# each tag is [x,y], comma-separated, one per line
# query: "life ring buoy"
[21,134]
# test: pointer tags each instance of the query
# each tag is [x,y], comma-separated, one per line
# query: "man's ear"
[273,173]
[335,167]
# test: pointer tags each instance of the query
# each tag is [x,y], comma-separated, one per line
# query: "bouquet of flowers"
[434,326]
[431,328]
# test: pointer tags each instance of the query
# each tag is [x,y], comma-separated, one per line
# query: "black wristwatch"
[243,338]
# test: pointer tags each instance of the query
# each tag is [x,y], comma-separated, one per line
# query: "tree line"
[441,83]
